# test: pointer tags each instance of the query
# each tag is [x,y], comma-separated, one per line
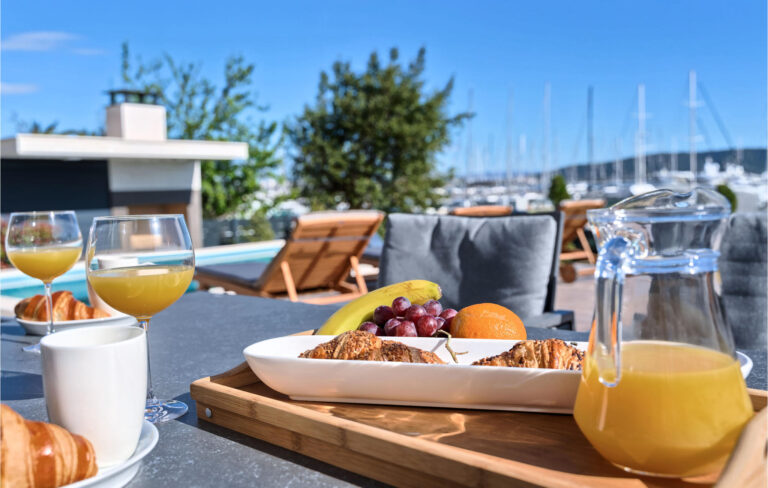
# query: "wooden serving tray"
[417,447]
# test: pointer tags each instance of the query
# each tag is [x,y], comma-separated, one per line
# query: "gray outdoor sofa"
[743,272]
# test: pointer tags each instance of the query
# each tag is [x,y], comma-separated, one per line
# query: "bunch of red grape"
[405,320]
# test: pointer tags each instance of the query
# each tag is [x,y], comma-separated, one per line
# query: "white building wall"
[148,175]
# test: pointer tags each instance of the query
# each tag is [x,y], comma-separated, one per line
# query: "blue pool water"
[22,286]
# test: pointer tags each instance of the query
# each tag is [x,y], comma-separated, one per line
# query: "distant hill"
[752,159]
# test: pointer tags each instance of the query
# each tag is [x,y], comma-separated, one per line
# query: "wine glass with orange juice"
[140,265]
[44,245]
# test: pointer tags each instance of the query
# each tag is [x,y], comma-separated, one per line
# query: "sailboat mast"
[470,149]
[673,161]
[692,121]
[545,149]
[555,152]
[618,169]
[522,149]
[640,137]
[508,142]
[488,161]
[590,140]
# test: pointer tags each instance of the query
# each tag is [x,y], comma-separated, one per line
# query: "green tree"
[36,127]
[371,138]
[198,109]
[726,191]
[558,190]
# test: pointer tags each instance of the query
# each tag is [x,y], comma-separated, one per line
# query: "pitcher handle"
[609,277]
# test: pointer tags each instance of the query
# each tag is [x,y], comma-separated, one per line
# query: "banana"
[351,315]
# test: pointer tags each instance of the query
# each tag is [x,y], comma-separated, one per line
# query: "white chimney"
[137,121]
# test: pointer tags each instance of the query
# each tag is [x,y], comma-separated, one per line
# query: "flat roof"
[56,146]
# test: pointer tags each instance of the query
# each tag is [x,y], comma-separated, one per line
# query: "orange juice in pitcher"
[661,392]
[699,405]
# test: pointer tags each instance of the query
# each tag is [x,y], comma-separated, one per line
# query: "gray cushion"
[743,258]
[551,320]
[505,260]
[245,274]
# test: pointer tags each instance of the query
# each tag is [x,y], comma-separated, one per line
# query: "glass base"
[32,348]
[159,411]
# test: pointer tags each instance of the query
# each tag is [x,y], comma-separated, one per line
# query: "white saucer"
[120,474]
[34,327]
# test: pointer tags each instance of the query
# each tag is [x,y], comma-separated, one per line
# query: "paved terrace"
[578,296]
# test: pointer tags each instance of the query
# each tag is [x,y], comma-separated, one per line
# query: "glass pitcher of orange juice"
[661,391]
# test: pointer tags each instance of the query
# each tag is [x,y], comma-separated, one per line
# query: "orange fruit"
[487,321]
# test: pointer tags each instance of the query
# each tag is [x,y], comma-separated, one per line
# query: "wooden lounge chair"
[318,257]
[575,218]
[482,211]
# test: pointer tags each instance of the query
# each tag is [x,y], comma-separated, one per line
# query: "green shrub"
[728,193]
[259,228]
[558,191]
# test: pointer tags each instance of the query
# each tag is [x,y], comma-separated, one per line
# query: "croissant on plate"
[548,353]
[41,455]
[364,346]
[65,307]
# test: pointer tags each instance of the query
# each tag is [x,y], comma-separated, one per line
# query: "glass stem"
[151,398]
[49,302]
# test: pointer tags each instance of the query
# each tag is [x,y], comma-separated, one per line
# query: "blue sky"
[59,57]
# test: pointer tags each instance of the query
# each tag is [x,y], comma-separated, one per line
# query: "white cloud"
[37,41]
[17,88]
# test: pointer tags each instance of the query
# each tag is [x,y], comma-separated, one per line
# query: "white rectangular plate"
[34,327]
[276,363]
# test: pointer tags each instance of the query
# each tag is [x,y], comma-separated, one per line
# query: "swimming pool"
[13,283]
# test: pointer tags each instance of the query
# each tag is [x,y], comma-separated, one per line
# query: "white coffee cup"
[95,384]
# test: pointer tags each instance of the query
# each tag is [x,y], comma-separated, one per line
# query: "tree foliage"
[199,109]
[558,190]
[371,138]
[726,191]
[35,127]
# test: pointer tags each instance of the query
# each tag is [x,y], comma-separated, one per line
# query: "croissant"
[41,455]
[364,346]
[549,353]
[65,307]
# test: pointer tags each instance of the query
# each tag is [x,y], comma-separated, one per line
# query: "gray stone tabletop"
[201,335]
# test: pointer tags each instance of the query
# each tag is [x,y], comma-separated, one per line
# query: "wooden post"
[290,286]
[585,245]
[358,276]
